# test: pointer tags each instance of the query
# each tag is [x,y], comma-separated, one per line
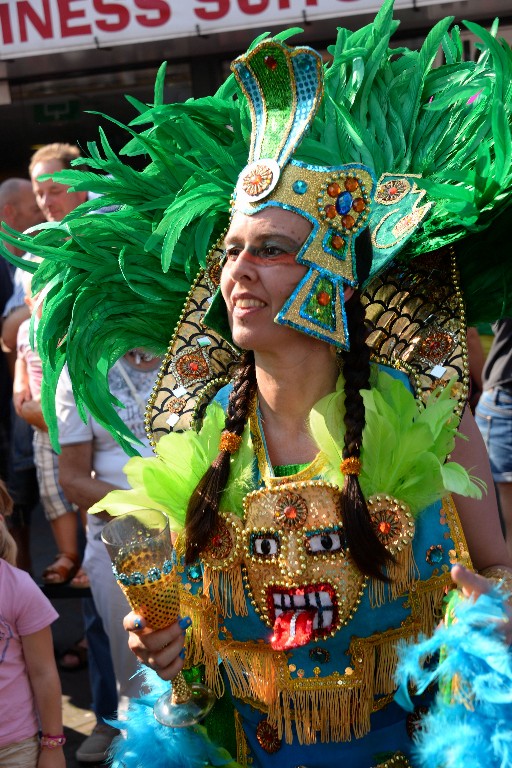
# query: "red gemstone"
[193,367]
[337,242]
[290,512]
[351,184]
[217,540]
[270,63]
[323,298]
[333,190]
[330,211]
[358,204]
[348,221]
[392,191]
[384,527]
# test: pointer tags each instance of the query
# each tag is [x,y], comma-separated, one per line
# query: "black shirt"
[498,366]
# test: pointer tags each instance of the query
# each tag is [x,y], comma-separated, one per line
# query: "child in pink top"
[30,690]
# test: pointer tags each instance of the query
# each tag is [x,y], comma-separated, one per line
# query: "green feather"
[383,105]
[166,482]
[404,445]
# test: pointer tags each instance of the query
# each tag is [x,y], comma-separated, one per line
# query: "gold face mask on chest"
[299,577]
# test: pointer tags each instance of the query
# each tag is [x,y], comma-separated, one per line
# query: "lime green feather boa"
[167,481]
[405,446]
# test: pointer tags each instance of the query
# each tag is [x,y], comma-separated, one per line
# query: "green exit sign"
[57,111]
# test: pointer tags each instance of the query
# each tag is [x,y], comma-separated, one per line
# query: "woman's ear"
[348,293]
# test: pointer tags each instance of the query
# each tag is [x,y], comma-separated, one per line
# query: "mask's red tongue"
[292,629]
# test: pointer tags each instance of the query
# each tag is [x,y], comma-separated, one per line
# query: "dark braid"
[203,507]
[367,551]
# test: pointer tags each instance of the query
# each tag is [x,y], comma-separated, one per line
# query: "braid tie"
[230,442]
[351,466]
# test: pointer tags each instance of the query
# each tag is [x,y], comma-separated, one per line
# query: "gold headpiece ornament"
[284,89]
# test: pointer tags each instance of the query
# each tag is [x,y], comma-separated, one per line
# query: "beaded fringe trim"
[402,573]
[228,589]
[325,709]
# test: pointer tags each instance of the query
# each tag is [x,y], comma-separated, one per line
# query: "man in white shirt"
[91,464]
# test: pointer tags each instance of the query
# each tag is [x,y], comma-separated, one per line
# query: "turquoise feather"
[469,723]
[147,744]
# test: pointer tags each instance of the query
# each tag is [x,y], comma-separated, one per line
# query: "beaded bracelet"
[52,742]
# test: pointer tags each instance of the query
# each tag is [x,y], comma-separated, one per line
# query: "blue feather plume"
[469,724]
[145,743]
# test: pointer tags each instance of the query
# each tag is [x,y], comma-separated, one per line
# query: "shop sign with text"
[31,27]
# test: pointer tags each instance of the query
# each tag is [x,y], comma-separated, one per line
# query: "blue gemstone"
[300,187]
[154,574]
[434,554]
[320,655]
[195,573]
[305,63]
[344,203]
[167,566]
[137,578]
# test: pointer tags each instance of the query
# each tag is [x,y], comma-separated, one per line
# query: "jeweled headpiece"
[284,87]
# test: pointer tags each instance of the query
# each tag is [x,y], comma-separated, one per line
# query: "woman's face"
[260,273]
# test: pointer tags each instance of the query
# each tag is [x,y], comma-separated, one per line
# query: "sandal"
[81,580]
[75,657]
[60,573]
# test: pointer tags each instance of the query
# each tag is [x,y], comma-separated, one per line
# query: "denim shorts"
[494,418]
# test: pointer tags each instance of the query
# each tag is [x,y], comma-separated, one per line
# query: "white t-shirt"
[108,460]
[108,457]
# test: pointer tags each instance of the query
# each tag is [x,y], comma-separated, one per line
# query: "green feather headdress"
[119,279]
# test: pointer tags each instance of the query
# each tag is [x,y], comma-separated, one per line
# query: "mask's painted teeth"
[319,601]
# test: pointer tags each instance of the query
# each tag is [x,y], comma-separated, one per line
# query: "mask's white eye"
[324,543]
[264,544]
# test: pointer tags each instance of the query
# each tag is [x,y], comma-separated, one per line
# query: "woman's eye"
[265,253]
[264,545]
[269,252]
[324,542]
[232,253]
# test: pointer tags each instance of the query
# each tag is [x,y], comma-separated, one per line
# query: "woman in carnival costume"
[305,419]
